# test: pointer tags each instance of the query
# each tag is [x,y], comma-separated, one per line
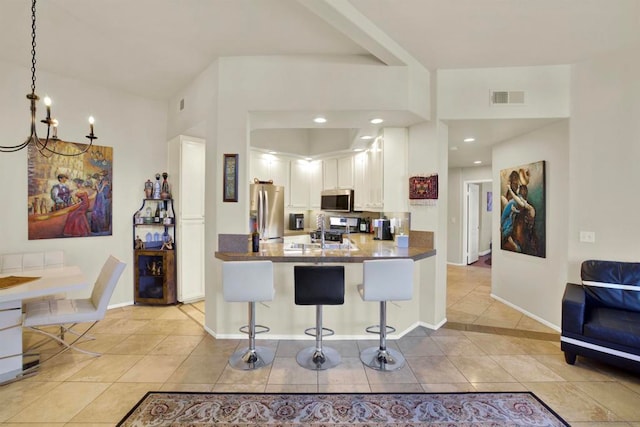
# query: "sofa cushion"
[615,326]
[612,284]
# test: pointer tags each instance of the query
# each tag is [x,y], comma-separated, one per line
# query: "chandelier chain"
[33,46]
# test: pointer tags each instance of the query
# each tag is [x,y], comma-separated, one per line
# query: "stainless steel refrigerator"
[267,209]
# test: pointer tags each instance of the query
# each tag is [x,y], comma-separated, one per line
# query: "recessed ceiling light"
[469,140]
[273,152]
[477,162]
[358,149]
[376,121]
[308,159]
[320,120]
[454,148]
[366,137]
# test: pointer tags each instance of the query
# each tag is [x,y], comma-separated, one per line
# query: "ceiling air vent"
[504,97]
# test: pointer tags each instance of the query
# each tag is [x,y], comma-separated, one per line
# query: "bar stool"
[249,281]
[385,280]
[318,285]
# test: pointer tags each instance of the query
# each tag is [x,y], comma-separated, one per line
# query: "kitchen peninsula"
[288,321]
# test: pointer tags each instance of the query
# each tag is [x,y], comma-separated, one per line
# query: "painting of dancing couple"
[70,196]
[522,202]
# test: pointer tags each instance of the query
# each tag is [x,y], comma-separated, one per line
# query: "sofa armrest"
[573,309]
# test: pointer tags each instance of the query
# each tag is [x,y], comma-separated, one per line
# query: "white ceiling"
[155,47]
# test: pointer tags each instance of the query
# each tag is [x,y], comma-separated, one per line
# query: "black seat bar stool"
[318,285]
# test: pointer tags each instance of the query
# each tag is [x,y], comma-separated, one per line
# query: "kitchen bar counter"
[366,249]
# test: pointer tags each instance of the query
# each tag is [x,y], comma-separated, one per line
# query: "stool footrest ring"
[375,329]
[260,329]
[328,331]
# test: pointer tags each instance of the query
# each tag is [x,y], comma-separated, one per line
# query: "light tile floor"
[487,346]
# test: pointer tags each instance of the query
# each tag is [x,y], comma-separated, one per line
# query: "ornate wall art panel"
[70,196]
[522,214]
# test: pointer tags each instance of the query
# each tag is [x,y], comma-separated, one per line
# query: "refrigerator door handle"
[260,212]
[266,214]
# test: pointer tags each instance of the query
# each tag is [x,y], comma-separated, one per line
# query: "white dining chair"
[67,313]
[32,261]
[54,259]
[11,263]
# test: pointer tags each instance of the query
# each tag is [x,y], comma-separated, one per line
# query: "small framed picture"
[230,178]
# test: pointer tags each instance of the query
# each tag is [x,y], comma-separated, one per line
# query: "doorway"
[477,213]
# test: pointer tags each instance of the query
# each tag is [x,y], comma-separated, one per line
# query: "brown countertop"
[367,249]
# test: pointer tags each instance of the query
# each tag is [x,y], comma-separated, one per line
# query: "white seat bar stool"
[318,285]
[385,280]
[251,282]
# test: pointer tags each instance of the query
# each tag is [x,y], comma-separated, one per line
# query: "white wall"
[133,126]
[605,150]
[532,284]
[465,93]
[428,153]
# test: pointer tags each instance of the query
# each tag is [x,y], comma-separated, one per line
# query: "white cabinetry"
[315,184]
[360,182]
[186,169]
[375,175]
[338,173]
[345,172]
[267,167]
[380,173]
[300,183]
[330,174]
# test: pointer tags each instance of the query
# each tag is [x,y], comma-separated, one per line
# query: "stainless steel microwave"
[337,200]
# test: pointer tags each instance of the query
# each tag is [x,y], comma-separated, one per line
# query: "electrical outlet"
[587,236]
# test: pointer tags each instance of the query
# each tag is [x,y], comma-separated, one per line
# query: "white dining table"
[49,282]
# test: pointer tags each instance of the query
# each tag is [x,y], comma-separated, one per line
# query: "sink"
[340,246]
[303,247]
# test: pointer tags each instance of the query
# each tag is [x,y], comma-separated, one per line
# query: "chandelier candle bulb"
[91,121]
[47,102]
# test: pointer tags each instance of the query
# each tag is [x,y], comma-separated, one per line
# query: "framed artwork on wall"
[70,196]
[230,178]
[523,205]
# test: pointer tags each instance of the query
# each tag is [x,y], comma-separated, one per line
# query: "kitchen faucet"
[320,226]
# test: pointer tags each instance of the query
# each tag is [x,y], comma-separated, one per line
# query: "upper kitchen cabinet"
[380,177]
[267,167]
[315,183]
[375,175]
[300,183]
[360,182]
[338,173]
[345,172]
[329,174]
[306,184]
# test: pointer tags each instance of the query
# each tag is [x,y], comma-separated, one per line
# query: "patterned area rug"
[329,409]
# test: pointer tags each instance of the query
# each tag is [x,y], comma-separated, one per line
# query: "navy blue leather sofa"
[601,317]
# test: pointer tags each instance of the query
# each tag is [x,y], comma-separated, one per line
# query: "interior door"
[473,222]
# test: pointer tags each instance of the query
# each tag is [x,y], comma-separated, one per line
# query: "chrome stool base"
[318,360]
[382,360]
[248,359]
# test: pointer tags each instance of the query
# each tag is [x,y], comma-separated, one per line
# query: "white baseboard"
[525,312]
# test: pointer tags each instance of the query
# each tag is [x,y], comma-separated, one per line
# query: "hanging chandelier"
[46,147]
